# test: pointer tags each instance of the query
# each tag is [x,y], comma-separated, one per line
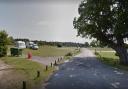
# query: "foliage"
[96,43]
[10,40]
[86,44]
[116,54]
[69,54]
[3,51]
[126,45]
[3,43]
[93,43]
[59,45]
[105,20]
[96,53]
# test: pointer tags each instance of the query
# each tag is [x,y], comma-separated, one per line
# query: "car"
[35,47]
[31,46]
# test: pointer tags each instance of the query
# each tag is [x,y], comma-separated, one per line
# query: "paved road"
[85,72]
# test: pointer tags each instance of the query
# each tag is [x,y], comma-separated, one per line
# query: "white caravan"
[20,44]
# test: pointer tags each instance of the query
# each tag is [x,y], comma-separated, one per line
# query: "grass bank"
[101,49]
[71,54]
[25,70]
[111,59]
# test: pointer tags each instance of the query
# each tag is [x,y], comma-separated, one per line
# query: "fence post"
[58,59]
[55,63]
[38,74]
[95,51]
[24,84]
[46,67]
[51,64]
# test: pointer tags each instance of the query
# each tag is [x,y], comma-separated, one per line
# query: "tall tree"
[3,43]
[107,21]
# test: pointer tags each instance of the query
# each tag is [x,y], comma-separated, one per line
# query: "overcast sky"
[50,20]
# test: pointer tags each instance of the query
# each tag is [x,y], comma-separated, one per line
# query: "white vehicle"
[35,46]
[20,44]
[31,44]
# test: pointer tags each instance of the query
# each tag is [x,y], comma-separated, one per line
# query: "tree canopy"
[105,20]
[3,43]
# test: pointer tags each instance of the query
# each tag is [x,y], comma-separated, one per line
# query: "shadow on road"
[87,73]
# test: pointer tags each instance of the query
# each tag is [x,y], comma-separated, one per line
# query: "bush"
[116,54]
[69,54]
[126,45]
[3,43]
[96,53]
[3,51]
[59,45]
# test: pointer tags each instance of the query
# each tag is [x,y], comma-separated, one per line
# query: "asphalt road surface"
[86,72]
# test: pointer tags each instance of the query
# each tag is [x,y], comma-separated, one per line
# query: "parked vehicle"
[35,47]
[20,44]
[29,44]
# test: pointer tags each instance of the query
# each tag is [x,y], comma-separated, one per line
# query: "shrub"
[96,53]
[59,45]
[3,51]
[116,54]
[3,43]
[69,54]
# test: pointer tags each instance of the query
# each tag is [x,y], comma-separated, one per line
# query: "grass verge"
[71,54]
[101,49]
[111,59]
[26,70]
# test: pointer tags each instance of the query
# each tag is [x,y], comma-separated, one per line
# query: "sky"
[47,20]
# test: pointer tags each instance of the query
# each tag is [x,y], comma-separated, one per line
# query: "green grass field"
[46,51]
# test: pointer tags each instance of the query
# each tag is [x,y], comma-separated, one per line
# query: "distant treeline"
[51,43]
[94,43]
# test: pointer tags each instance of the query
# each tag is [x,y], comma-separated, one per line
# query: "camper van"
[20,44]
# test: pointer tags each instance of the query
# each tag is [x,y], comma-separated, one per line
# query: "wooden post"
[38,74]
[51,64]
[58,60]
[95,51]
[55,63]
[24,84]
[46,67]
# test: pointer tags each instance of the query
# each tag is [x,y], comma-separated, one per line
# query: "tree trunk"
[123,54]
